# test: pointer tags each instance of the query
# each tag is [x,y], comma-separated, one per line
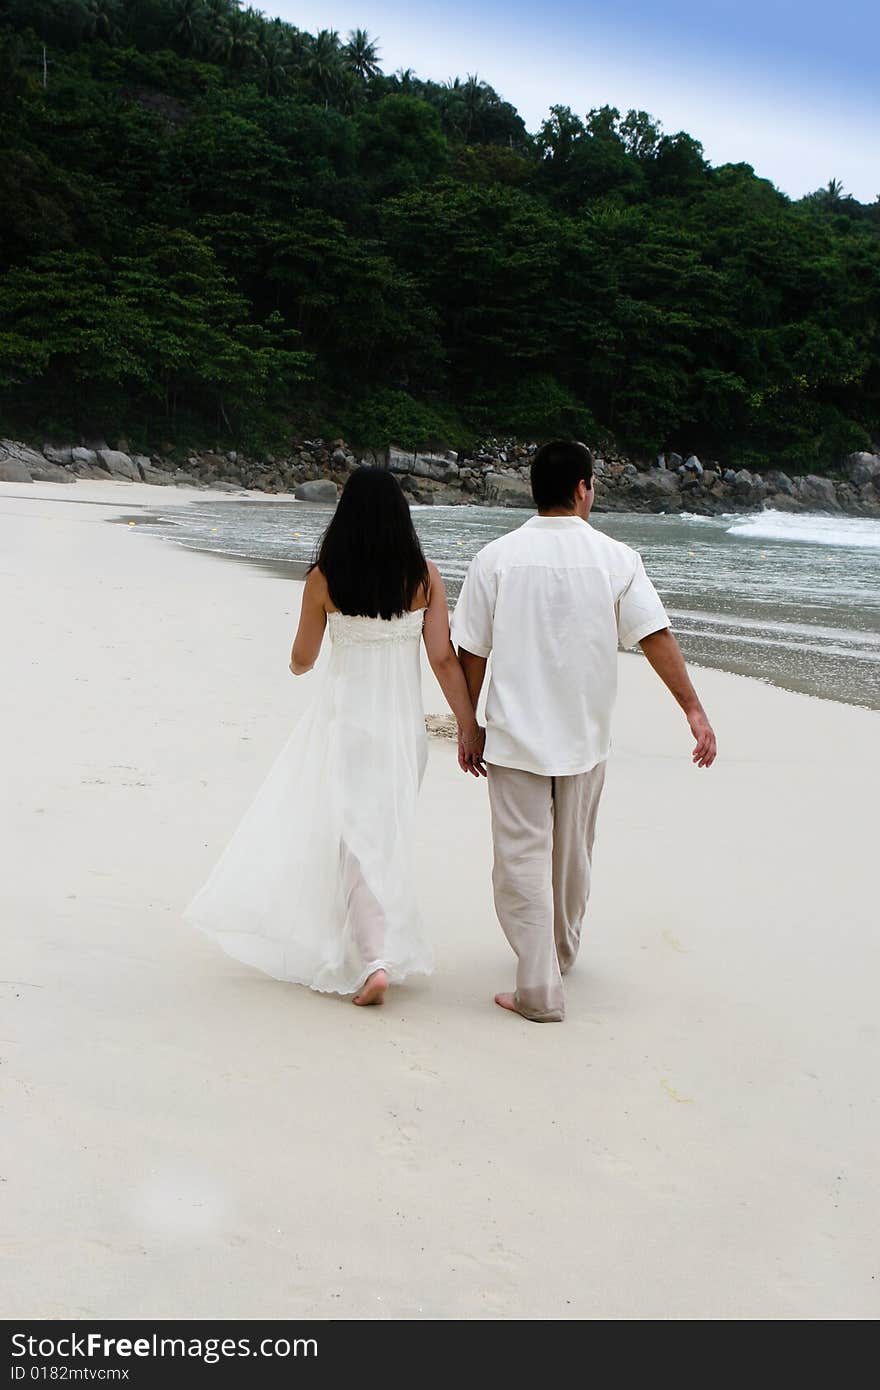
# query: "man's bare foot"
[374,989]
[508,1001]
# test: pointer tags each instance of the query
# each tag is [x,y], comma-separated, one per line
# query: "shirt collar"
[555,522]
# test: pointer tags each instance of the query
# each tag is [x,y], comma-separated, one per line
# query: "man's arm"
[665,656]
[474,668]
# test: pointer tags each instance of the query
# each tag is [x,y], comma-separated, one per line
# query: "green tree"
[148,339]
[402,145]
[361,55]
[188,24]
[323,65]
[195,180]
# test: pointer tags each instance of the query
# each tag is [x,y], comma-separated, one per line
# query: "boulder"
[38,468]
[14,471]
[157,477]
[9,448]
[376,458]
[743,485]
[119,465]
[818,492]
[62,456]
[85,461]
[442,470]
[729,476]
[861,468]
[693,465]
[781,502]
[428,492]
[868,498]
[780,483]
[320,490]
[505,491]
[657,488]
[46,472]
[433,466]
[399,461]
[674,461]
[339,457]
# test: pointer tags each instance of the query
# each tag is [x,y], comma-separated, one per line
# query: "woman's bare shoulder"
[424,593]
[316,587]
[436,588]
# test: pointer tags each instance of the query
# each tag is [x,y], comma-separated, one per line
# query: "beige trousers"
[542,830]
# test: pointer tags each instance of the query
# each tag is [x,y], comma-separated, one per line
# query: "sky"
[788,86]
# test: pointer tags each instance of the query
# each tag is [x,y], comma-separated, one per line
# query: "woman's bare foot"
[374,989]
[507,1001]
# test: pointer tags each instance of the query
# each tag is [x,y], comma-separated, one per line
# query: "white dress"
[317,885]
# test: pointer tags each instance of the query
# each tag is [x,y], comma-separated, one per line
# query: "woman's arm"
[312,622]
[445,665]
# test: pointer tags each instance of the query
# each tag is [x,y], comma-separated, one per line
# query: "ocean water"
[791,599]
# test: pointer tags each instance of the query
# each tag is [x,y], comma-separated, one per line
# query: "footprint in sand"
[399,1142]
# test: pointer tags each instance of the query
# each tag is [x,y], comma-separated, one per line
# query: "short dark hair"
[557,469]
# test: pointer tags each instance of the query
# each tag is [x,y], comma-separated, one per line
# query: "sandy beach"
[192,1139]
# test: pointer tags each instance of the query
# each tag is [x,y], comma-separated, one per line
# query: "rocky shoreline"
[495,474]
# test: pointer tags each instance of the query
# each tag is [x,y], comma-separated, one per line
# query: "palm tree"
[323,63]
[473,100]
[273,55]
[463,104]
[361,55]
[102,19]
[217,32]
[833,191]
[243,26]
[188,23]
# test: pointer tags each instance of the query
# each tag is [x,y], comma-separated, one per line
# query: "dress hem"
[396,974]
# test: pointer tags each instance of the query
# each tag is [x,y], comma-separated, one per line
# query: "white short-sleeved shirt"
[550,602]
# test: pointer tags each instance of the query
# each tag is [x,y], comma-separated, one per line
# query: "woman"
[317,886]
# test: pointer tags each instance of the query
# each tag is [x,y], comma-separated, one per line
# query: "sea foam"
[863,533]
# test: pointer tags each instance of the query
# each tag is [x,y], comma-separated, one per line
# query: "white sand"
[698,1140]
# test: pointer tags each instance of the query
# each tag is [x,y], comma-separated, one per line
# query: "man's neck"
[564,511]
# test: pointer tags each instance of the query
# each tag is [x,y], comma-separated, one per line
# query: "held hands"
[470,751]
[706,748]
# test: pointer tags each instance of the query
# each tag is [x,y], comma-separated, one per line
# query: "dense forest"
[218,228]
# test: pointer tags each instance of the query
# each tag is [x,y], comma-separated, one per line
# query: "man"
[550,602]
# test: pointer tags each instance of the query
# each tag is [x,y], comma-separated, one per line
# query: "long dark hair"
[370,554]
